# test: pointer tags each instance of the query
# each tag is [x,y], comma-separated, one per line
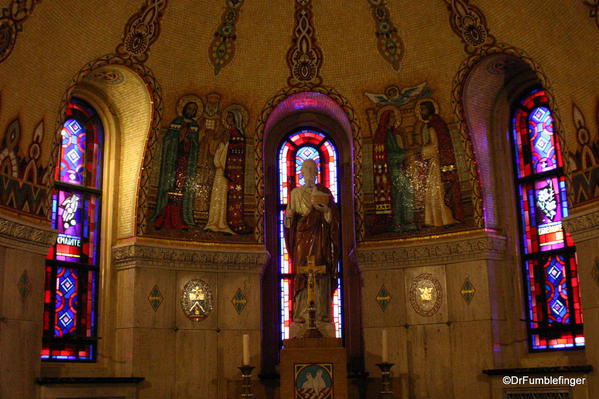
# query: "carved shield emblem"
[196,300]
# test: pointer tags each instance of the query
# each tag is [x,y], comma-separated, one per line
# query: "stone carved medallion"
[426,294]
[196,300]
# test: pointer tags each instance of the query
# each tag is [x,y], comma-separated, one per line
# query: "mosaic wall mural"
[23,179]
[197,180]
[222,48]
[584,160]
[389,42]
[420,182]
[11,23]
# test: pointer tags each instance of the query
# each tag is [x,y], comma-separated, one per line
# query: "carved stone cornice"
[583,225]
[25,235]
[248,258]
[437,250]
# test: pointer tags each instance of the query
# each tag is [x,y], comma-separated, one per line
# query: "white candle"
[246,349]
[385,354]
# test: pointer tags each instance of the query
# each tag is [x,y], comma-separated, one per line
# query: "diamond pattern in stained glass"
[558,308]
[73,156]
[65,320]
[554,272]
[67,284]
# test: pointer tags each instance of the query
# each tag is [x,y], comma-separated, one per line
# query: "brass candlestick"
[246,382]
[386,391]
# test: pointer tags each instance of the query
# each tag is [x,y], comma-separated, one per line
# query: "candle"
[385,354]
[246,349]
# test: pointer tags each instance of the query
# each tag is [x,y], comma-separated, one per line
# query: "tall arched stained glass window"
[72,269]
[554,313]
[298,147]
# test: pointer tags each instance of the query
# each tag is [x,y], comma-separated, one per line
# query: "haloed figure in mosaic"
[442,193]
[217,214]
[312,230]
[176,187]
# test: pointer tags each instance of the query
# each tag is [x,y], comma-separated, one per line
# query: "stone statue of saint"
[312,230]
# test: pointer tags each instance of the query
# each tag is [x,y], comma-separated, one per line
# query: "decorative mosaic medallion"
[313,381]
[24,285]
[426,295]
[239,301]
[155,298]
[467,291]
[196,300]
[383,298]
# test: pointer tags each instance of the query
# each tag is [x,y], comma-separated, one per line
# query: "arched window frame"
[78,343]
[288,179]
[546,251]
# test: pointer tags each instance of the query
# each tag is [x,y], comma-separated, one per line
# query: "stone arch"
[477,84]
[326,110]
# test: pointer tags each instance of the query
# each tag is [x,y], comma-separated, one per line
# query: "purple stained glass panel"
[72,154]
[540,127]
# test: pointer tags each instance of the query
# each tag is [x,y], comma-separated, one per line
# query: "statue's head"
[309,170]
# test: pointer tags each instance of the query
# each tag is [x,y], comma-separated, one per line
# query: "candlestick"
[246,382]
[386,391]
[385,354]
[246,349]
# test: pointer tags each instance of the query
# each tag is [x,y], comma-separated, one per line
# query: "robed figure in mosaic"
[394,195]
[217,213]
[235,120]
[382,179]
[176,186]
[312,230]
[442,199]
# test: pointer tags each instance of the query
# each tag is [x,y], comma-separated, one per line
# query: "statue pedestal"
[313,367]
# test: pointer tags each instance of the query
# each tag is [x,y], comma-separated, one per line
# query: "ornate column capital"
[433,250]
[583,224]
[208,257]
[26,235]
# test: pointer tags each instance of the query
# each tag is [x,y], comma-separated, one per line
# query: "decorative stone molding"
[437,250]
[216,258]
[20,234]
[583,225]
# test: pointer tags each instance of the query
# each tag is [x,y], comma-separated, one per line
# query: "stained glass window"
[70,300]
[298,147]
[554,315]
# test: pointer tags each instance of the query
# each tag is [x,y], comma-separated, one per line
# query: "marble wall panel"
[164,316]
[20,346]
[429,361]
[228,284]
[196,364]
[471,352]
[479,306]
[395,311]
[154,355]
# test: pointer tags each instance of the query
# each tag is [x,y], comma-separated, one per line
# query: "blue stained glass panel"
[66,301]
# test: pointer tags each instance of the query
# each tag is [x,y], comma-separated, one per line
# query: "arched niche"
[492,88]
[317,111]
[121,99]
